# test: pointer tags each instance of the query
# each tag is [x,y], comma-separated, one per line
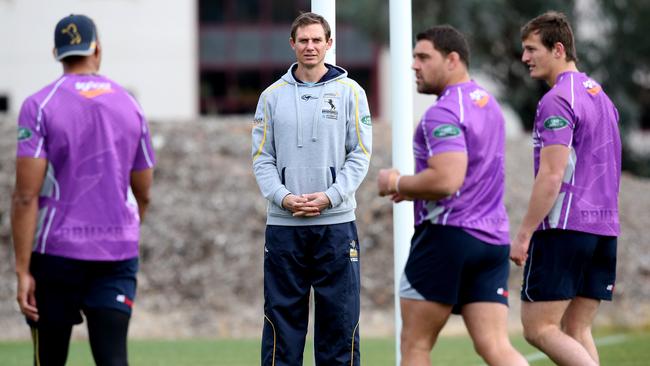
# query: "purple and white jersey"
[577,113]
[468,119]
[93,135]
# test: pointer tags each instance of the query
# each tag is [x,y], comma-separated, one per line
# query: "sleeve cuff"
[279,195]
[334,196]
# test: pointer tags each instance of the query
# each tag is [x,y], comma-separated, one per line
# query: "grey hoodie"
[312,138]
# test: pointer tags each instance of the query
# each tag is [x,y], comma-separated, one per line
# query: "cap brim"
[84,49]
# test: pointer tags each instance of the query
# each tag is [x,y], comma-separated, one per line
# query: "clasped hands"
[306,205]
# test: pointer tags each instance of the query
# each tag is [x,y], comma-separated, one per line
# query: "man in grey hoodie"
[312,140]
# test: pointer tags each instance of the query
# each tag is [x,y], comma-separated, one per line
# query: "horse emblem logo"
[72,31]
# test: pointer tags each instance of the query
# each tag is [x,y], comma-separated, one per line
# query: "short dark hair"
[73,60]
[446,39]
[305,19]
[552,27]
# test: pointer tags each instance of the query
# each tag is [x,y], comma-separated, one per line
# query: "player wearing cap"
[567,238]
[83,172]
[458,260]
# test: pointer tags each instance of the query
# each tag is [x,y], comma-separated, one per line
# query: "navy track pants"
[296,258]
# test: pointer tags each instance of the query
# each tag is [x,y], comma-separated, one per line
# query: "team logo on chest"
[330,108]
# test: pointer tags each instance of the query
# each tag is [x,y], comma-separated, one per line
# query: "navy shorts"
[563,264]
[65,287]
[450,266]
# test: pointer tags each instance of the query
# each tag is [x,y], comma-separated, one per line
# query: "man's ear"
[558,50]
[292,43]
[454,59]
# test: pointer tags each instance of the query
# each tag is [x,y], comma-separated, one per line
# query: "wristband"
[397,184]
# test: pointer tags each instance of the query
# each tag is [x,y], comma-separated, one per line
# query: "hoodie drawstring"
[295,90]
[314,126]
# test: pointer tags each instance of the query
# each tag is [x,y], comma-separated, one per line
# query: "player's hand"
[25,296]
[316,202]
[397,198]
[386,181]
[293,203]
[519,248]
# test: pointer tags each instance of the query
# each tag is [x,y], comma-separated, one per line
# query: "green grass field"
[616,348]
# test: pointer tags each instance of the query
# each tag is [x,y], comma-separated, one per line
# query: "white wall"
[150,47]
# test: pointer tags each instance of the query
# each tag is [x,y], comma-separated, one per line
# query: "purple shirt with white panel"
[93,134]
[577,113]
[467,119]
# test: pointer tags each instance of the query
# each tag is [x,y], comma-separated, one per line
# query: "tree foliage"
[611,38]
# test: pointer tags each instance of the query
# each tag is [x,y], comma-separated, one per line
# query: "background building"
[149,48]
[180,59]
[244,47]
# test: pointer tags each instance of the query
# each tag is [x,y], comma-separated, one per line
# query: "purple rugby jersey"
[577,113]
[93,135]
[466,118]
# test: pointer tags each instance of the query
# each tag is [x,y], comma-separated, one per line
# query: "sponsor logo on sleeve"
[258,122]
[479,97]
[555,123]
[366,120]
[446,131]
[24,133]
[592,87]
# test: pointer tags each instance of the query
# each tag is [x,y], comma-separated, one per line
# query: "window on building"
[244,47]
[212,11]
[247,11]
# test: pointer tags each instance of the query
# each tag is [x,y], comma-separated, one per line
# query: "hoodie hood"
[333,73]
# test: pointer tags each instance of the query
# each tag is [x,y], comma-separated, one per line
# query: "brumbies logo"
[24,133]
[330,109]
[354,253]
[71,30]
[366,120]
[555,123]
[446,131]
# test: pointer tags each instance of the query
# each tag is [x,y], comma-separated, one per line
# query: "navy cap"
[74,35]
